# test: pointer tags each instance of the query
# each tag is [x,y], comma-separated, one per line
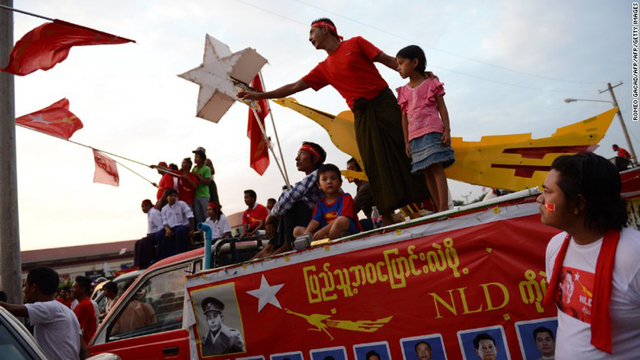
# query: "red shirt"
[186,192]
[350,70]
[165,183]
[623,153]
[254,216]
[87,318]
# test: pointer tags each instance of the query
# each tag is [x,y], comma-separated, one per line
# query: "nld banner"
[455,289]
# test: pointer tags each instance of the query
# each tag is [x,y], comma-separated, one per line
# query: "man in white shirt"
[56,327]
[178,223]
[220,227]
[582,197]
[145,248]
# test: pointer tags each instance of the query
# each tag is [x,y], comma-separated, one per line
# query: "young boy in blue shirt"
[334,215]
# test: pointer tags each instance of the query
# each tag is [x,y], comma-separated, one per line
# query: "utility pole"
[609,88]
[10,266]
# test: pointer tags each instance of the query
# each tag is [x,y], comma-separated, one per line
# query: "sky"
[507,66]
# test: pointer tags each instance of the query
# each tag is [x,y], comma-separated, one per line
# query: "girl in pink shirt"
[425,123]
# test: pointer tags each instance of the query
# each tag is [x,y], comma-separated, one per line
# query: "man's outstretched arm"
[278,93]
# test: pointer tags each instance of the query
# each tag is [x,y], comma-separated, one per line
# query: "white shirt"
[573,340]
[218,227]
[176,214]
[56,329]
[154,221]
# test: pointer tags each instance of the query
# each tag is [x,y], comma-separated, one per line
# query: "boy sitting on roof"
[335,215]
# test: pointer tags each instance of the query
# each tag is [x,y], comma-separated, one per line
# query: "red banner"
[439,288]
[48,44]
[259,152]
[56,120]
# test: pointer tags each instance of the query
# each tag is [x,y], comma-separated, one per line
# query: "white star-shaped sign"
[216,76]
[266,294]
[39,119]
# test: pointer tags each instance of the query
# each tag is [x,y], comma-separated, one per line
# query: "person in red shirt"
[350,69]
[623,158]
[188,183]
[64,297]
[84,311]
[253,218]
[166,182]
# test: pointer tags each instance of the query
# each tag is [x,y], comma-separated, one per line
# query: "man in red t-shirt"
[350,69]
[253,218]
[188,183]
[623,158]
[84,311]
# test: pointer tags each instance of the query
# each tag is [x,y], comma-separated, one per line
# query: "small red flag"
[48,44]
[55,120]
[259,152]
[106,170]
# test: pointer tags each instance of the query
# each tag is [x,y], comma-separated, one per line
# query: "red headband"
[321,24]
[311,150]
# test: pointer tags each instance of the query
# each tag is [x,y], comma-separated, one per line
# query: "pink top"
[419,104]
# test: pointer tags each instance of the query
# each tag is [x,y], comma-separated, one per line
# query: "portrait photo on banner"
[333,353]
[218,320]
[537,338]
[372,351]
[424,347]
[484,343]
[287,356]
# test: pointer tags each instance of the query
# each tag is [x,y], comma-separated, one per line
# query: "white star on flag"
[39,119]
[266,294]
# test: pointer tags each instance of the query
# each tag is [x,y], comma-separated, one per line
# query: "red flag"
[49,44]
[259,152]
[56,120]
[106,170]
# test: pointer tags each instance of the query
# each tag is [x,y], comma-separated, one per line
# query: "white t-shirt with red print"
[576,281]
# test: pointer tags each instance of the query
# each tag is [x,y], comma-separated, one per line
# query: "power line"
[436,66]
[448,52]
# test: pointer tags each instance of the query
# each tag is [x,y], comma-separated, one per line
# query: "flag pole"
[24,12]
[10,266]
[92,148]
[275,132]
[264,134]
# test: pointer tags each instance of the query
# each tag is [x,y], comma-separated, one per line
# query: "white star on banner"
[266,294]
[39,119]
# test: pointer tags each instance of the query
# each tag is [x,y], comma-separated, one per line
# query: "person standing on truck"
[350,68]
[601,320]
[220,339]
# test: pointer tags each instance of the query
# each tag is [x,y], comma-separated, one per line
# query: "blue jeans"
[176,244]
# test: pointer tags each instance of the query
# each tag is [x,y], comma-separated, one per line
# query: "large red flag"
[259,152]
[106,170]
[49,44]
[55,120]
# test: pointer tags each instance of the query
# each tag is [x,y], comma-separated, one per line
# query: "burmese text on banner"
[441,283]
